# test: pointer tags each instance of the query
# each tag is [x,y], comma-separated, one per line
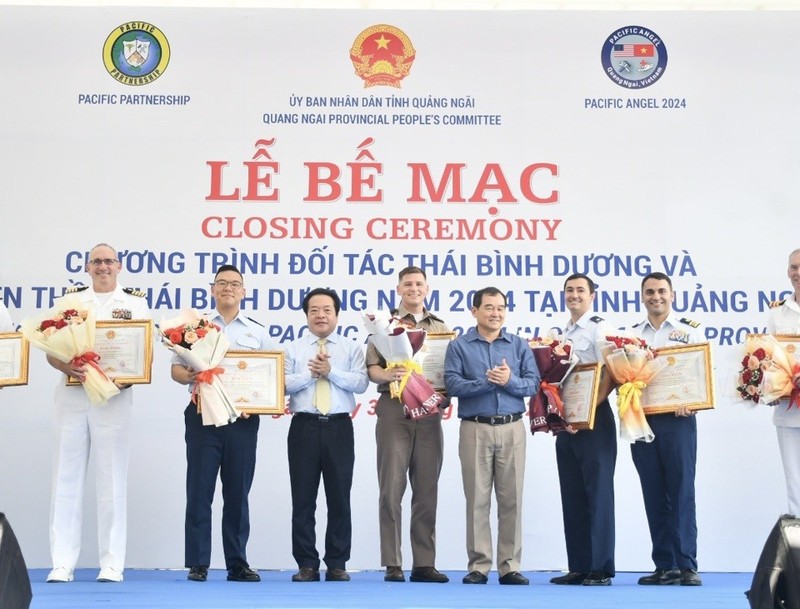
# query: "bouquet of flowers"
[67,333]
[769,372]
[632,364]
[201,346]
[400,346]
[555,361]
[757,358]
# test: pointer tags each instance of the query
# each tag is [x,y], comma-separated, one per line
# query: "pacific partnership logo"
[634,57]
[136,53]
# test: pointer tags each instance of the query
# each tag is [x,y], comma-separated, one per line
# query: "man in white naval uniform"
[104,430]
[784,318]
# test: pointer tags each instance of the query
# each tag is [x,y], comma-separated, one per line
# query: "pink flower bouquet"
[555,361]
[401,347]
[632,364]
[67,333]
[773,368]
[201,346]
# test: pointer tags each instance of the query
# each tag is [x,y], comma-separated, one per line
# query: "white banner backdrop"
[333,148]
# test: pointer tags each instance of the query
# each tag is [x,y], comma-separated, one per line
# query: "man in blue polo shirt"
[491,372]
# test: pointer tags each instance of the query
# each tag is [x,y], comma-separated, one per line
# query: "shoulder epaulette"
[255,322]
[432,316]
[596,319]
[134,292]
[637,325]
[776,303]
[76,288]
[689,322]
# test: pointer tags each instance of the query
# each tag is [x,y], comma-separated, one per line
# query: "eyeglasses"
[222,284]
[106,261]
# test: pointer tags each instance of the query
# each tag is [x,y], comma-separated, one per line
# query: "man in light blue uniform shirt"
[666,465]
[229,450]
[491,372]
[324,371]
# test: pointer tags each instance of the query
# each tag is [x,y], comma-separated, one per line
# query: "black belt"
[498,419]
[322,418]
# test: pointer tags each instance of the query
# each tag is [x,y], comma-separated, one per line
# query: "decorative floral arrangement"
[555,361]
[633,364]
[67,333]
[189,333]
[768,372]
[201,346]
[61,319]
[401,347]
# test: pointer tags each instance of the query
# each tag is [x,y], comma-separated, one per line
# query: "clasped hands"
[500,374]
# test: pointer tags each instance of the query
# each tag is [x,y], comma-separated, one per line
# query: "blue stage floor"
[156,589]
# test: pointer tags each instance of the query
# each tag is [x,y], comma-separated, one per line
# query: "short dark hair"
[580,276]
[658,276]
[477,299]
[227,267]
[409,270]
[337,303]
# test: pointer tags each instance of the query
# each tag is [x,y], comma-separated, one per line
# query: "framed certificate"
[432,363]
[685,381]
[791,342]
[579,394]
[254,381]
[125,349]
[14,353]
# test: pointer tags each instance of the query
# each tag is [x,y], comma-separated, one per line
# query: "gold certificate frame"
[685,381]
[791,344]
[125,349]
[14,355]
[434,349]
[579,394]
[254,381]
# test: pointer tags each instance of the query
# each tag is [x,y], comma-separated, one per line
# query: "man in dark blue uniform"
[229,450]
[586,459]
[666,466]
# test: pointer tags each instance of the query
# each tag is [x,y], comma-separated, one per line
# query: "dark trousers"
[666,469]
[321,446]
[229,451]
[586,462]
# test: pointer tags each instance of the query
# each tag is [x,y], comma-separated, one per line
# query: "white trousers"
[103,431]
[789,443]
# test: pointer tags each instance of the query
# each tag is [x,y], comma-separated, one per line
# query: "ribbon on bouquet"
[90,358]
[206,376]
[630,396]
[396,388]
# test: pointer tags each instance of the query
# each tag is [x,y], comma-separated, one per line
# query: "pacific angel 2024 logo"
[136,53]
[634,57]
[382,55]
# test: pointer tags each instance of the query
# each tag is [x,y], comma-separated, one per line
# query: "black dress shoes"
[198,574]
[661,577]
[597,578]
[336,575]
[474,577]
[428,575]
[689,577]
[514,578]
[573,578]
[240,573]
[306,574]
[394,574]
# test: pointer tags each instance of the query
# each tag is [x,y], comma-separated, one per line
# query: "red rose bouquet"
[67,333]
[555,361]
[632,364]
[201,346]
[757,358]
[401,347]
